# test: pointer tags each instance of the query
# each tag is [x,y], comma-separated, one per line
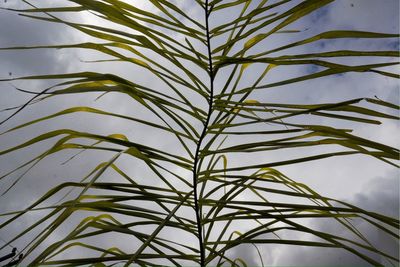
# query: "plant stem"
[203,134]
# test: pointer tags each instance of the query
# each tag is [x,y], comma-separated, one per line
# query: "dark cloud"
[249,254]
[380,195]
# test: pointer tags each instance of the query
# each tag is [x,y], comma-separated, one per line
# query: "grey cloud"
[248,253]
[380,195]
[16,30]
[50,173]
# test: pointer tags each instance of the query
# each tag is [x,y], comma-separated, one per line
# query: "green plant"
[202,97]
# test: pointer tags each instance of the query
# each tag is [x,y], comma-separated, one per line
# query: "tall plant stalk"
[196,167]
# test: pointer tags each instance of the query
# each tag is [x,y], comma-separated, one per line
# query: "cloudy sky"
[359,180]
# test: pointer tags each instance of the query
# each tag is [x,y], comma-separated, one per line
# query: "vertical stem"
[203,134]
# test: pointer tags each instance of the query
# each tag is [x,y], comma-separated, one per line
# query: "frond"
[197,84]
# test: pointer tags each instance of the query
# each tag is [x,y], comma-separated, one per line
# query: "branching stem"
[203,133]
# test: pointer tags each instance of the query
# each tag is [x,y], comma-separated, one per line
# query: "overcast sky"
[362,181]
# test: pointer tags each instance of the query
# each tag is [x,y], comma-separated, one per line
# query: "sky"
[362,181]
